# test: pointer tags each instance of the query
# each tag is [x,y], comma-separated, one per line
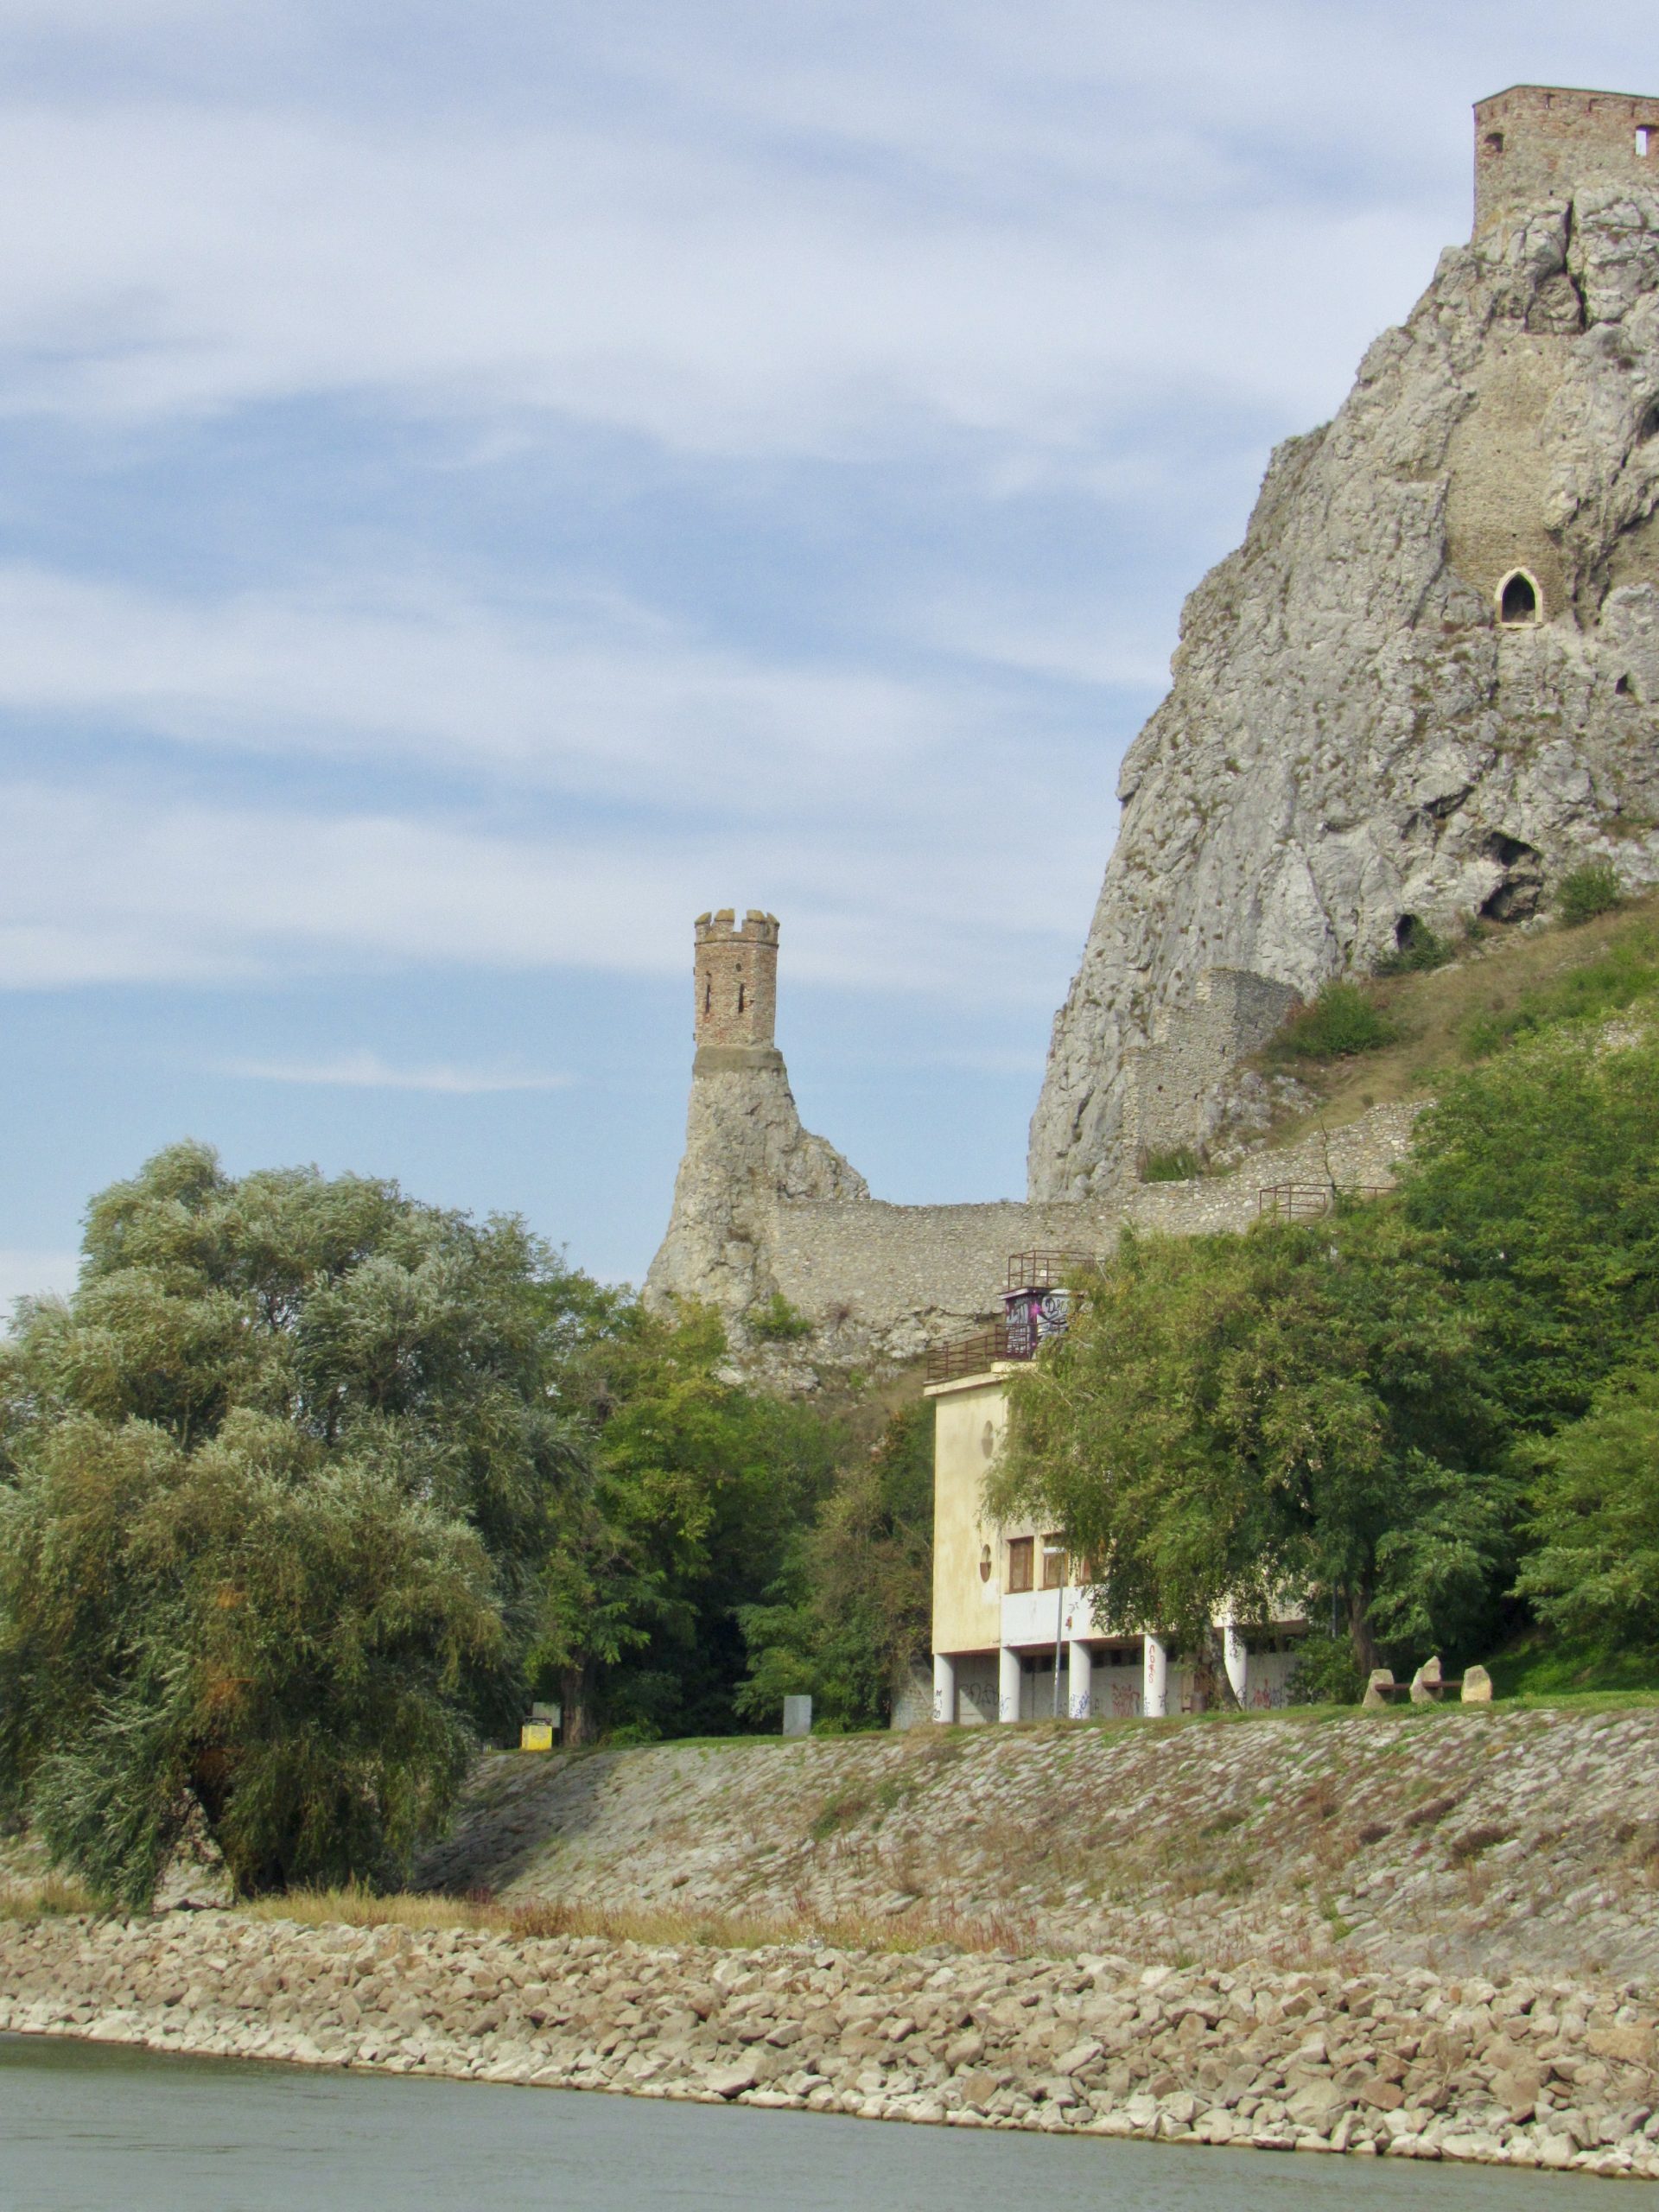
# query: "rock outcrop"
[746,1154]
[1424,686]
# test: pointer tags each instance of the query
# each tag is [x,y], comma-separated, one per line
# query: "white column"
[1008,1684]
[1080,1688]
[1237,1658]
[1155,1678]
[944,1688]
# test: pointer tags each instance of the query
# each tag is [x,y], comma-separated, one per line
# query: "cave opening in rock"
[1517,602]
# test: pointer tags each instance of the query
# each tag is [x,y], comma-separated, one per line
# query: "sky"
[481,484]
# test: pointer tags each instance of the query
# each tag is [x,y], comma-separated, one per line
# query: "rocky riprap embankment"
[1470,1841]
[1531,2074]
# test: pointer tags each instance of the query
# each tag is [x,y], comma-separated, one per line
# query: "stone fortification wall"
[889,1280]
[1177,1083]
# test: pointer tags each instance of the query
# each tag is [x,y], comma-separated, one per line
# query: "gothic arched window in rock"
[1518,605]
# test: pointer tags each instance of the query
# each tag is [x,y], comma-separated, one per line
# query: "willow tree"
[278,1487]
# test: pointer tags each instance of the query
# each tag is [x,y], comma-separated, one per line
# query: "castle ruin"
[1425,686]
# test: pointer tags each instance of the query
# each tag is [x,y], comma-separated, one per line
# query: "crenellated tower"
[745,1152]
[734,973]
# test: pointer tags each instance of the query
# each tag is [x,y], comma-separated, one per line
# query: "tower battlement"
[735,980]
[1543,141]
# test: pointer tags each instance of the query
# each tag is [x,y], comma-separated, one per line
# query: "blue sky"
[479,486]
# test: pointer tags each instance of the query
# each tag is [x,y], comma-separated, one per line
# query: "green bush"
[1178,1164]
[778,1322]
[1343,1020]
[1326,1672]
[1585,891]
[1419,951]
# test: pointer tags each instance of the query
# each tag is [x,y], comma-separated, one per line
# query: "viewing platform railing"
[1312,1201]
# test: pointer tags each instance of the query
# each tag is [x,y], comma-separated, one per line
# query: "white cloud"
[365,1071]
[179,259]
[119,886]
[577,694]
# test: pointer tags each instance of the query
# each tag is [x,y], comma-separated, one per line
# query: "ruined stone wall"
[890,1279]
[1176,1082]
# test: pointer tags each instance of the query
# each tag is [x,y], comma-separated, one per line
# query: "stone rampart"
[869,1275]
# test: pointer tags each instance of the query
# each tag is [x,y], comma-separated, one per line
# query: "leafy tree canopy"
[278,1488]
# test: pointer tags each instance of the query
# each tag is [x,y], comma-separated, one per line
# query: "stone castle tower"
[735,975]
[745,1151]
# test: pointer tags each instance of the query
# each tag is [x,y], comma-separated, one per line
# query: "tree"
[1594,1573]
[1298,1412]
[851,1611]
[702,1485]
[1538,1175]
[280,1485]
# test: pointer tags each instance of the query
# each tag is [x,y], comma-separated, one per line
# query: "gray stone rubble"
[1529,2073]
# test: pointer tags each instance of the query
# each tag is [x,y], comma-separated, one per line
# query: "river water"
[95,2128]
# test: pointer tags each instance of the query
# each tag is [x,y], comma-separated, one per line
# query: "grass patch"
[52,1894]
[1503,981]
[1342,1021]
[1179,1165]
[1622,973]
[540,1919]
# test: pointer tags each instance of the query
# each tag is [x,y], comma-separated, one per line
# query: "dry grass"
[53,1893]
[1433,1012]
[664,1926]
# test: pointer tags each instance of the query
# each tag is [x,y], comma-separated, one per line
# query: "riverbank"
[1492,1841]
[1553,2074]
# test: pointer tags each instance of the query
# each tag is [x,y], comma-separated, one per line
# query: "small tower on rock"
[736,977]
[746,1156]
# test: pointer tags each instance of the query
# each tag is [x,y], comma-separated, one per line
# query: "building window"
[1518,601]
[1053,1563]
[1644,138]
[739,998]
[1495,142]
[1019,1550]
[707,998]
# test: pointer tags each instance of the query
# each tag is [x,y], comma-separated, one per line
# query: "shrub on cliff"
[1343,1020]
[277,1488]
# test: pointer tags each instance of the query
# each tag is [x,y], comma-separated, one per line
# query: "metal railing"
[1312,1201]
[977,1352]
[1044,1270]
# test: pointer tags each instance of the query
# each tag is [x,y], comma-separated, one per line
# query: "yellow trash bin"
[535,1736]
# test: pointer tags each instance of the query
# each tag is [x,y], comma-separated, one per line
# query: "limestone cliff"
[1424,686]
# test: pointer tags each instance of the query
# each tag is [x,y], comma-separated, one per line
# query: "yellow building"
[1014,1635]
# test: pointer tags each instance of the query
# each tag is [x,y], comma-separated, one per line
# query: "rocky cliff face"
[745,1152]
[1356,742]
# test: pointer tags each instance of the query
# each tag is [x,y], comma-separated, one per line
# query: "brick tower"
[735,975]
[1537,142]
